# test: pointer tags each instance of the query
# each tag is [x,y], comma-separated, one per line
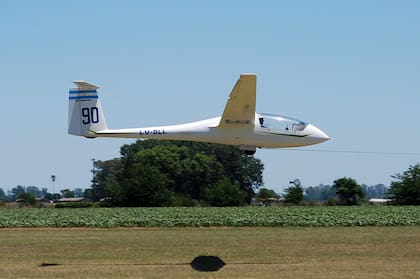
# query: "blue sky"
[352,68]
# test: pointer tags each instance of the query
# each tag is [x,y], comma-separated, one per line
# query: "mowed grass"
[249,252]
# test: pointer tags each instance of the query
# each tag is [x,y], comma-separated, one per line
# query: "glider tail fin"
[85,110]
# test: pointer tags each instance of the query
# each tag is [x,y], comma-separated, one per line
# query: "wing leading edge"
[240,108]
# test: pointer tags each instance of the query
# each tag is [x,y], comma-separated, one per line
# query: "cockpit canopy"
[277,122]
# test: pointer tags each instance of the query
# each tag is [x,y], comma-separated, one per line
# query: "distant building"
[71,200]
[379,201]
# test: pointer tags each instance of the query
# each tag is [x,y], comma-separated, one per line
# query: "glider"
[239,125]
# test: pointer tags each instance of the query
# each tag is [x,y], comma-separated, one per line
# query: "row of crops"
[209,216]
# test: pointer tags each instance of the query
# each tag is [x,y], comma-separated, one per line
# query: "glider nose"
[317,134]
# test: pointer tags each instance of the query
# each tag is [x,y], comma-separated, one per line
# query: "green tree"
[2,195]
[26,199]
[78,192]
[88,194]
[406,190]
[375,191]
[224,193]
[49,196]
[185,170]
[147,187]
[17,190]
[266,196]
[105,170]
[115,191]
[240,168]
[44,193]
[319,193]
[67,193]
[265,193]
[348,191]
[34,191]
[293,194]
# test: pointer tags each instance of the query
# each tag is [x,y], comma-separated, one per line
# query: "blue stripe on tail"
[83,94]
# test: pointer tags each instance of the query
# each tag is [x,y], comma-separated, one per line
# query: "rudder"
[85,110]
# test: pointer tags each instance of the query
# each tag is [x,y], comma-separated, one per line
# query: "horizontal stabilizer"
[83,85]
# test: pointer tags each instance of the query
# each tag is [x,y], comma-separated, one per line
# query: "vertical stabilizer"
[85,111]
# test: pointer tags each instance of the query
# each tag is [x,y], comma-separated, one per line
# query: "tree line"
[346,191]
[17,192]
[324,193]
[168,173]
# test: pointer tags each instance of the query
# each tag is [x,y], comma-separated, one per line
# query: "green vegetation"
[289,216]
[348,191]
[26,199]
[293,195]
[406,190]
[190,174]
[352,252]
[167,173]
[265,193]
[81,204]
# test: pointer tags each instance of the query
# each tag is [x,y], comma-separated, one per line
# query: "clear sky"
[352,68]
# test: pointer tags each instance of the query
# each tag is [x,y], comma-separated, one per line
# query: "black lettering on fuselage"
[152,132]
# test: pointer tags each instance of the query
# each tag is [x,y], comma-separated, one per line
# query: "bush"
[333,201]
[77,205]
[184,201]
[312,203]
[25,200]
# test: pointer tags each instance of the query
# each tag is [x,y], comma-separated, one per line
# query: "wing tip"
[248,74]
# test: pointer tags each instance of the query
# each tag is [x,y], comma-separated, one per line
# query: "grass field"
[249,252]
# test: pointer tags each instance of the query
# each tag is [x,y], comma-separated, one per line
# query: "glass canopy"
[277,122]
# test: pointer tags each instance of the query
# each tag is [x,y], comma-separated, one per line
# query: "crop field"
[297,216]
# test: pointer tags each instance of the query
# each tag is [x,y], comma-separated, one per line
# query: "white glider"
[239,124]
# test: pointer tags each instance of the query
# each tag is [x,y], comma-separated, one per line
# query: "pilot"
[261,119]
